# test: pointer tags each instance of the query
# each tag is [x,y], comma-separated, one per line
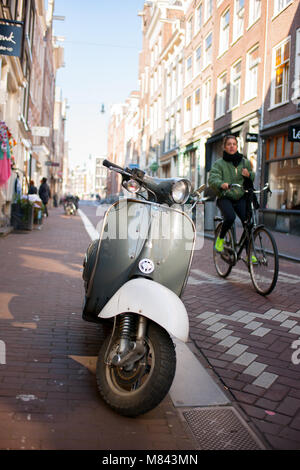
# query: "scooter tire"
[138,401]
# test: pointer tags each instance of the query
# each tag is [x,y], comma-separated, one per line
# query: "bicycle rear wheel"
[223,261]
[264,272]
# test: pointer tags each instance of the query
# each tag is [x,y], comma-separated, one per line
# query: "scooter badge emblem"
[146,266]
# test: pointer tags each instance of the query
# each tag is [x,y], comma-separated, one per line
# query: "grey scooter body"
[134,230]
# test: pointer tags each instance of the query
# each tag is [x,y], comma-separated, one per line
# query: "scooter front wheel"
[138,389]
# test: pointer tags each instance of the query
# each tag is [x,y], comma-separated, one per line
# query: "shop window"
[284,179]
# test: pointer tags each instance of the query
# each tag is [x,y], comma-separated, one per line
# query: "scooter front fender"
[152,300]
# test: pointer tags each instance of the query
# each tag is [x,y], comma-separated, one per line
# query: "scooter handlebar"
[109,164]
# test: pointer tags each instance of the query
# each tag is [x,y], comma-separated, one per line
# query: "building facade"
[209,68]
[27,99]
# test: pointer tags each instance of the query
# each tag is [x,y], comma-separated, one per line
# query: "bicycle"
[262,253]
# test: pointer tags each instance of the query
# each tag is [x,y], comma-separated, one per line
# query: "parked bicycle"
[261,250]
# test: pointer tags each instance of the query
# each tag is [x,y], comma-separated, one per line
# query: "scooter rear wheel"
[140,389]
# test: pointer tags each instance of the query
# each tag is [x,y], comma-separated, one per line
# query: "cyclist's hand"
[245,172]
[225,186]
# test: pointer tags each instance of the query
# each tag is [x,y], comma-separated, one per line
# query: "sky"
[103,39]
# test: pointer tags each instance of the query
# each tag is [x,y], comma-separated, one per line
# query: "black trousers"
[229,209]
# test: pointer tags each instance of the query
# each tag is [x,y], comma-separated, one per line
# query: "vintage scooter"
[135,274]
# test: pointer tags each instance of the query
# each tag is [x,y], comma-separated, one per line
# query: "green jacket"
[226,172]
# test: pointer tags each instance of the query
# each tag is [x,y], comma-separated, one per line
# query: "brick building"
[213,67]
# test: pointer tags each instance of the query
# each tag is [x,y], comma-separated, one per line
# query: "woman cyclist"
[232,168]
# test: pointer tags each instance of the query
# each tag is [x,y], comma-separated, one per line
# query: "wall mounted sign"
[294,133]
[251,137]
[10,39]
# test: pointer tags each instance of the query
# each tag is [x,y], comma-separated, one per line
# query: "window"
[280,5]
[13,7]
[189,69]
[238,22]
[235,85]
[254,10]
[208,9]
[206,99]
[208,50]
[221,96]
[281,72]
[198,60]
[296,83]
[198,18]
[188,113]
[189,27]
[252,62]
[224,32]
[197,107]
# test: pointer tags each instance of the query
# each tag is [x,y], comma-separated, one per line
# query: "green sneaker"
[219,245]
[253,259]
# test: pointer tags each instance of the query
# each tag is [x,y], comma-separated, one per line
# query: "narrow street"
[48,391]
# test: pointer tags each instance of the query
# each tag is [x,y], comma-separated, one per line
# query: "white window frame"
[280,5]
[189,30]
[207,56]
[224,32]
[189,69]
[235,83]
[198,20]
[208,10]
[197,60]
[206,100]
[188,113]
[285,76]
[238,19]
[251,82]
[221,95]
[254,11]
[197,108]
[296,83]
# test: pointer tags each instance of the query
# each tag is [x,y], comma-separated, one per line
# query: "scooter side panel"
[134,230]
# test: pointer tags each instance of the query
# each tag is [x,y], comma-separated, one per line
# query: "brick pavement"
[48,394]
[247,340]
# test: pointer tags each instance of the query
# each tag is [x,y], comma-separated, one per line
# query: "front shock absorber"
[127,326]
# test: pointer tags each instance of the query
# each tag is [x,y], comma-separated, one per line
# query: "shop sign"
[40,131]
[10,39]
[251,137]
[49,163]
[294,133]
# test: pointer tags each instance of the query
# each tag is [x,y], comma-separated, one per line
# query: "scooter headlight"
[181,191]
[132,186]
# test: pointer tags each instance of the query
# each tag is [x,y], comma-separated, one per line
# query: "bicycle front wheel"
[223,261]
[263,261]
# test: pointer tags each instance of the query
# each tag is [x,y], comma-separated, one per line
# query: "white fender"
[152,300]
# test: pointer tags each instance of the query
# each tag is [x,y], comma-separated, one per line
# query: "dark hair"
[44,180]
[227,137]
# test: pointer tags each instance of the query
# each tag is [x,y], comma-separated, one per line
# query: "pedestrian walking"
[45,194]
[32,188]
[232,168]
